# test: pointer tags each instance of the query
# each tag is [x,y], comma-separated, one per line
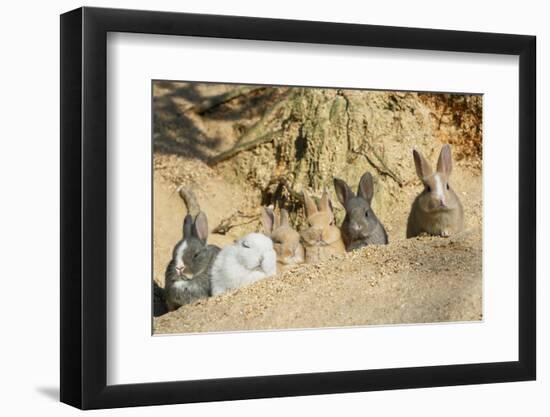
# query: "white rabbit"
[247,260]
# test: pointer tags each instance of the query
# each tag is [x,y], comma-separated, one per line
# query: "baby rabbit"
[247,260]
[322,238]
[286,240]
[360,227]
[436,210]
[187,275]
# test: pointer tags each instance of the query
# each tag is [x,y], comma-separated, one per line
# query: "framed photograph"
[257,208]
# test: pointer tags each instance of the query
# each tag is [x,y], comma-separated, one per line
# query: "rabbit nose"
[442,203]
[319,235]
[180,269]
[355,227]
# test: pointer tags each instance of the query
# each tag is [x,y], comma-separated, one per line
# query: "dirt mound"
[423,280]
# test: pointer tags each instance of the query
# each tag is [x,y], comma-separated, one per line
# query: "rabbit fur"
[437,209]
[247,260]
[360,227]
[286,240]
[187,275]
[322,238]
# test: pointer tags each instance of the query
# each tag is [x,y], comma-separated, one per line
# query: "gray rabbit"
[187,276]
[360,227]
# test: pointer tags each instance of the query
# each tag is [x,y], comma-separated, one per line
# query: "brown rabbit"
[323,237]
[286,240]
[436,210]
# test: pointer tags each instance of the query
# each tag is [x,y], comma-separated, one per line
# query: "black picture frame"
[84,207]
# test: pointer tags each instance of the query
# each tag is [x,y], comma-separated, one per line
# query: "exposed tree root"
[235,220]
[244,146]
[378,163]
[273,119]
[215,101]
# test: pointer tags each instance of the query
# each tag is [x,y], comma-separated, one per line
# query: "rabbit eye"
[367,213]
[448,186]
[429,188]
[245,245]
[196,255]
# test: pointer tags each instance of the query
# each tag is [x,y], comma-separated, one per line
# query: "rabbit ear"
[276,221]
[445,161]
[201,227]
[188,226]
[268,220]
[284,218]
[311,207]
[325,204]
[343,192]
[423,168]
[366,187]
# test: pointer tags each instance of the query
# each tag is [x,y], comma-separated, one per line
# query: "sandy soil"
[420,280]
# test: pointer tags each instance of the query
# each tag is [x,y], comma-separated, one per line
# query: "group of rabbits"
[199,270]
